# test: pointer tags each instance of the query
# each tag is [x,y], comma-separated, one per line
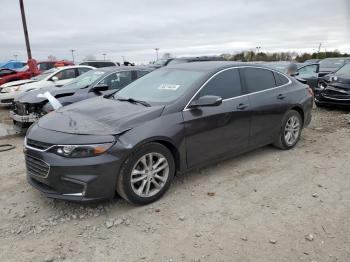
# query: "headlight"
[81,150]
[14,88]
[322,85]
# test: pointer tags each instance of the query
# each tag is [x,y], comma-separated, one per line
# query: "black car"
[330,65]
[173,119]
[309,73]
[28,107]
[99,63]
[334,89]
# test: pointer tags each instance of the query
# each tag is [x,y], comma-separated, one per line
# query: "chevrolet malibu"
[173,119]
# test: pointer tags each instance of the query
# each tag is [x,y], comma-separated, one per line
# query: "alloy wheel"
[292,130]
[149,174]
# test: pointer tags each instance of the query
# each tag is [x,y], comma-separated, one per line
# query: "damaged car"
[171,120]
[334,89]
[30,106]
[55,77]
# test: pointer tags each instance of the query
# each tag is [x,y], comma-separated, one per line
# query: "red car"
[34,69]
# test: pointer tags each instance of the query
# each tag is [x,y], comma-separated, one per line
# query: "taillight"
[309,89]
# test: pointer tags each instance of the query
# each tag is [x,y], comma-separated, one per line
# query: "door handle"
[241,106]
[281,96]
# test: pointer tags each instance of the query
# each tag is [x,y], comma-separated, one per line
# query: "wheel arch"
[170,145]
[300,110]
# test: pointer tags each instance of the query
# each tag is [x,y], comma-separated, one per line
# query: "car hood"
[343,79]
[99,116]
[32,96]
[19,82]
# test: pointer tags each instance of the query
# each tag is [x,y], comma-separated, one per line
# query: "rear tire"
[290,131]
[146,174]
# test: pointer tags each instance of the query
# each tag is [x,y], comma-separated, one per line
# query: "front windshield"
[344,70]
[86,79]
[332,63]
[160,86]
[44,74]
[177,61]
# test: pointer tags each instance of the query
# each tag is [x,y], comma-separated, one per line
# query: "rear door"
[268,103]
[213,131]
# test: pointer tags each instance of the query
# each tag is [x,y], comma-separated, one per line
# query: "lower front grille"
[37,167]
[7,101]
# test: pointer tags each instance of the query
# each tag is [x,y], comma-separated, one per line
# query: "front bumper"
[73,179]
[6,98]
[332,97]
[31,118]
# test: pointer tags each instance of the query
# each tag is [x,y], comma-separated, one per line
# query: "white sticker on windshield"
[98,73]
[168,87]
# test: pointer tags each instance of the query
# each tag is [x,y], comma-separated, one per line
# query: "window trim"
[238,67]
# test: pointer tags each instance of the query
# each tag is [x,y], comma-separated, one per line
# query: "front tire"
[290,131]
[146,174]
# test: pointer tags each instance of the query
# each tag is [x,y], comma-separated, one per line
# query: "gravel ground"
[266,205]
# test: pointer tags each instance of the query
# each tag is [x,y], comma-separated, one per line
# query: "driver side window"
[117,80]
[226,84]
[66,74]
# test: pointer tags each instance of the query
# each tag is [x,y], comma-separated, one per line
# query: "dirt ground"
[266,205]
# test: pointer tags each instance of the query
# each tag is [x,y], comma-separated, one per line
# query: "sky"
[134,28]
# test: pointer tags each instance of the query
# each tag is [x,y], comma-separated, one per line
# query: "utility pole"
[29,52]
[104,56]
[258,49]
[15,56]
[319,50]
[123,58]
[72,51]
[157,50]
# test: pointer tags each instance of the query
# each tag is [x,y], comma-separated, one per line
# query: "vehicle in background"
[13,64]
[334,89]
[57,76]
[312,61]
[9,75]
[161,62]
[28,107]
[330,65]
[46,65]
[309,73]
[183,60]
[99,63]
[173,119]
[282,66]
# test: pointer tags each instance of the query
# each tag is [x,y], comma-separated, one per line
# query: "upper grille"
[38,145]
[37,167]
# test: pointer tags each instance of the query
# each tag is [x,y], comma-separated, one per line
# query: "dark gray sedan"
[173,119]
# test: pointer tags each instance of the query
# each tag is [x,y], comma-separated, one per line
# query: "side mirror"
[100,88]
[54,78]
[206,101]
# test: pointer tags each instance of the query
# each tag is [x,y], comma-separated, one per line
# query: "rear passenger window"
[280,79]
[258,79]
[226,84]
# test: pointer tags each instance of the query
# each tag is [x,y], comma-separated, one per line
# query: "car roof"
[212,66]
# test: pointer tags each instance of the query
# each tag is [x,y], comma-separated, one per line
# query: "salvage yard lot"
[267,205]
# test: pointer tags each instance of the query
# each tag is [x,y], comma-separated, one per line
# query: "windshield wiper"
[134,101]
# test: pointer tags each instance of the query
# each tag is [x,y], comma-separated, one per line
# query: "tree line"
[246,56]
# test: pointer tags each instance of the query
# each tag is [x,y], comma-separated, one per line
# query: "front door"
[213,131]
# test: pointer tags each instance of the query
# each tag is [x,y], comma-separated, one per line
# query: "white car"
[54,77]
